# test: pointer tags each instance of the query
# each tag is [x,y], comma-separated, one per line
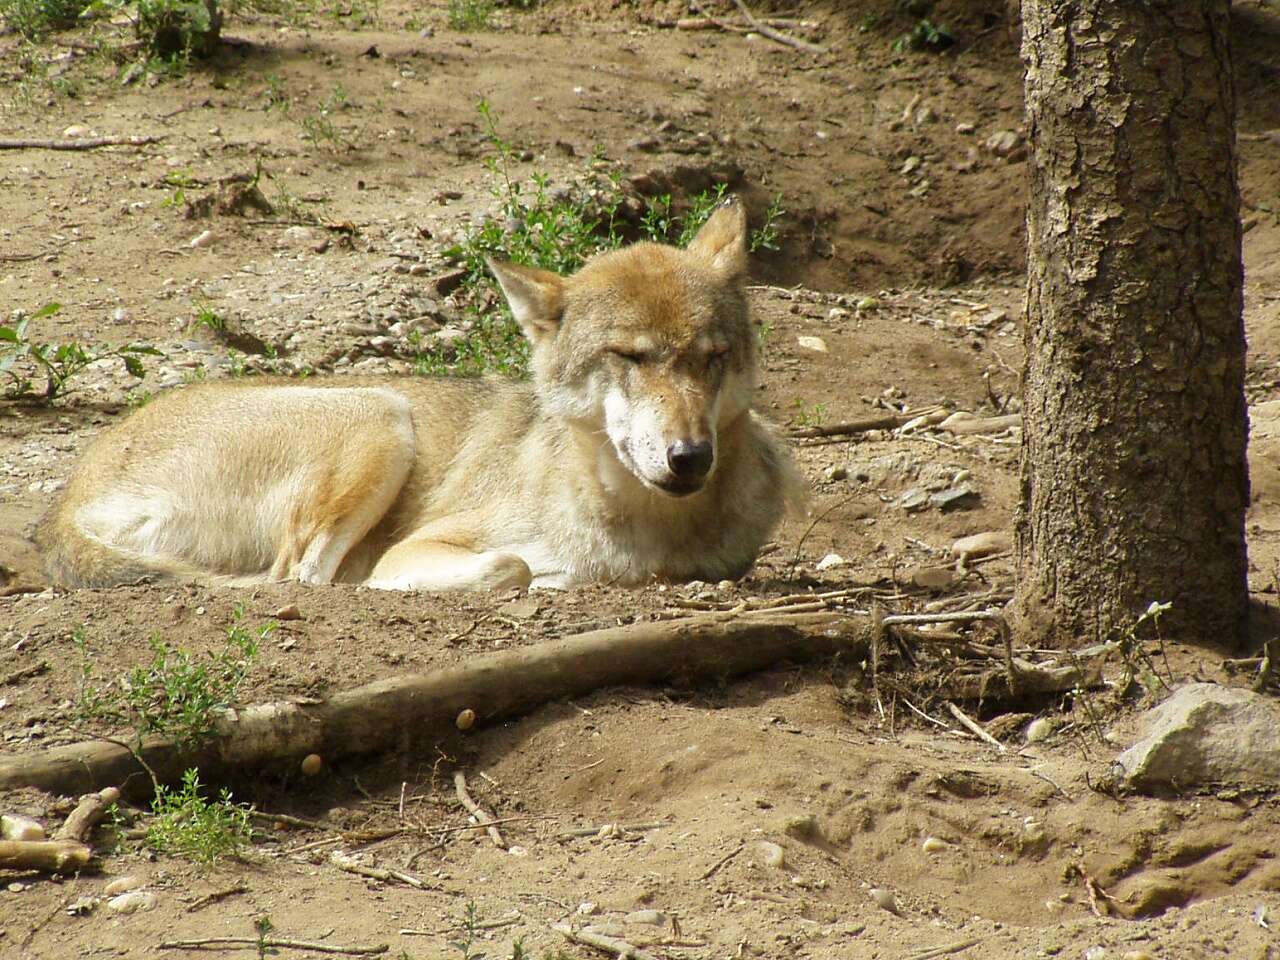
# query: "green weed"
[181,181]
[809,414]
[201,830]
[467,15]
[22,358]
[318,128]
[34,19]
[925,36]
[177,694]
[207,318]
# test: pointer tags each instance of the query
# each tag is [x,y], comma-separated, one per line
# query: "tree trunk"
[1134,480]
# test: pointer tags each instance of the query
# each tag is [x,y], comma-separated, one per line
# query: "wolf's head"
[649,344]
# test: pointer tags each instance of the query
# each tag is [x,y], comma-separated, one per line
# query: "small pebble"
[771,855]
[466,719]
[311,764]
[816,344]
[1039,729]
[654,918]
[835,473]
[588,908]
[76,130]
[122,885]
[934,845]
[202,239]
[982,544]
[14,826]
[829,561]
[884,900]
[289,611]
[517,851]
[132,902]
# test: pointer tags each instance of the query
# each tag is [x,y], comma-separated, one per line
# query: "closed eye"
[630,356]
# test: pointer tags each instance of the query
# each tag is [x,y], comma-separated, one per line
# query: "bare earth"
[846,776]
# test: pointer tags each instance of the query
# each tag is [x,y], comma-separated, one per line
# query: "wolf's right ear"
[536,297]
[722,241]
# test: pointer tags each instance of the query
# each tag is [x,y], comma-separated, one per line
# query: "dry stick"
[974,727]
[776,35]
[853,426]
[619,948]
[711,870]
[231,891]
[89,143]
[270,942]
[376,873]
[69,849]
[481,814]
[945,951]
[625,827]
[508,683]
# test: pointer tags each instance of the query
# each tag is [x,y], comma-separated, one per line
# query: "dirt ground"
[901,250]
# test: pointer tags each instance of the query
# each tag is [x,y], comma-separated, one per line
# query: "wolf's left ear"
[722,241]
[535,296]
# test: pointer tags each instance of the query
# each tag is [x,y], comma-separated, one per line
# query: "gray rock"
[1206,733]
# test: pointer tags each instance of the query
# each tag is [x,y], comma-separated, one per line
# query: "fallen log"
[385,713]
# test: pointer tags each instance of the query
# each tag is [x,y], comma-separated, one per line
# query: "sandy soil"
[891,194]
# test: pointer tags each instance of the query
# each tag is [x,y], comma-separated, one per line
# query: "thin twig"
[625,827]
[377,873]
[208,898]
[853,426]
[711,870]
[270,942]
[88,143]
[460,787]
[974,727]
[776,35]
[945,951]
[619,948]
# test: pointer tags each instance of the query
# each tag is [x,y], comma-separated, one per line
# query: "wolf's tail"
[75,560]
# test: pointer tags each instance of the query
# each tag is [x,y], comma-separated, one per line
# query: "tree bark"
[1134,480]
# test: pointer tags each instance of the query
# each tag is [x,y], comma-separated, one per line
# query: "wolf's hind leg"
[420,564]
[344,495]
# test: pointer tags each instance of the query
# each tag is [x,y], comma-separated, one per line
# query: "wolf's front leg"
[420,564]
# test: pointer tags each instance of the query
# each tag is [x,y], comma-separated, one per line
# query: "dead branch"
[56,855]
[271,942]
[1032,680]
[91,808]
[86,143]
[945,951]
[345,863]
[891,422]
[69,849]
[711,870]
[776,35]
[613,945]
[579,832]
[974,727]
[376,716]
[477,811]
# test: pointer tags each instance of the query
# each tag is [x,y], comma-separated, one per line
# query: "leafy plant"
[925,36]
[177,30]
[34,19]
[319,128]
[176,694]
[202,830]
[467,15]
[181,181]
[809,414]
[21,357]
[208,318]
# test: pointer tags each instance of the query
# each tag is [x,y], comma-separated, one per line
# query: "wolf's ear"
[535,296]
[722,241]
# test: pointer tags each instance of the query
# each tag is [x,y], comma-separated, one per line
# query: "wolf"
[632,454]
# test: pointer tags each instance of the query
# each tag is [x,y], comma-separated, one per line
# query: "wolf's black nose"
[690,459]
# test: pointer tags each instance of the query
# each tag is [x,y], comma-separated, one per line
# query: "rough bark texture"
[1134,482]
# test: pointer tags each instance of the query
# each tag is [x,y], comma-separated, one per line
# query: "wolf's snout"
[689,460]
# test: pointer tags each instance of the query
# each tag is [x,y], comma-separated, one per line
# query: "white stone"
[1207,733]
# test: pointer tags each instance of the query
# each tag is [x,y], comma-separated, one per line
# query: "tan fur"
[633,454]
